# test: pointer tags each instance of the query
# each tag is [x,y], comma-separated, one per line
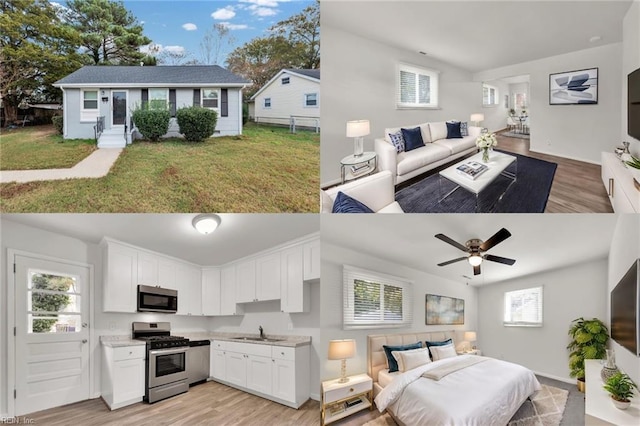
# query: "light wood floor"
[210,403]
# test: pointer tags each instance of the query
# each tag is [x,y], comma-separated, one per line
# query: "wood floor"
[210,403]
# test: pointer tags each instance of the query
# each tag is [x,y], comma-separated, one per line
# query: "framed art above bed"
[443,310]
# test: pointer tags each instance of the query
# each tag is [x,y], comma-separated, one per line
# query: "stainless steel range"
[166,362]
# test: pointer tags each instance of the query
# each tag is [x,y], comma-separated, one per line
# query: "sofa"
[375,191]
[437,150]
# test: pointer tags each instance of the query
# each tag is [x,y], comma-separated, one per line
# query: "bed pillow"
[442,352]
[391,361]
[346,204]
[412,138]
[408,360]
[442,343]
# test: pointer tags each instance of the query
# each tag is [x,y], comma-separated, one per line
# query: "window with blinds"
[489,95]
[417,87]
[523,308]
[374,300]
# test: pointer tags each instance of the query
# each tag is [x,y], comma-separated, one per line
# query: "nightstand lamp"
[342,349]
[470,336]
[357,130]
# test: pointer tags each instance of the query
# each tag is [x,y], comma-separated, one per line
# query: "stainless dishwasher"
[198,361]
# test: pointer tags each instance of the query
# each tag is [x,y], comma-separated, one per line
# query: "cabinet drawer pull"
[351,390]
[611,186]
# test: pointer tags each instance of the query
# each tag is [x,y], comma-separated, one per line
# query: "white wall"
[580,132]
[569,293]
[333,258]
[630,62]
[625,248]
[359,82]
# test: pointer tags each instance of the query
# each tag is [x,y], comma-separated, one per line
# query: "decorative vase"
[581,385]
[621,405]
[485,155]
[609,368]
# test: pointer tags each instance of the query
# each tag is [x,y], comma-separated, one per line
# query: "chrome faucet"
[261,332]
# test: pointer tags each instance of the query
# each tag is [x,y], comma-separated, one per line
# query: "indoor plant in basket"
[588,341]
[620,387]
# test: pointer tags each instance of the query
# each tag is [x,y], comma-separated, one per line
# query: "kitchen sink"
[257,339]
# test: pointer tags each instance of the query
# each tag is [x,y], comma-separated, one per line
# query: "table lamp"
[470,336]
[342,349]
[357,129]
[477,118]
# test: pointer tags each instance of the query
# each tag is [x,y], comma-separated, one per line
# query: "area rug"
[529,194]
[545,409]
[515,135]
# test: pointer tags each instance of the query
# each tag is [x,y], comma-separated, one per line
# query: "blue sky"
[181,24]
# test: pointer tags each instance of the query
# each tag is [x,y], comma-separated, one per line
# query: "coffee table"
[498,164]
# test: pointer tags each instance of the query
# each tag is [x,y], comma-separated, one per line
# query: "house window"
[285,80]
[311,100]
[489,95]
[417,87]
[89,110]
[374,300]
[267,102]
[523,308]
[158,98]
[210,98]
[520,100]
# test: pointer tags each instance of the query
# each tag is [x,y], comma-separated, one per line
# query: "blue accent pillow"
[393,364]
[464,128]
[412,138]
[397,140]
[453,130]
[444,342]
[346,204]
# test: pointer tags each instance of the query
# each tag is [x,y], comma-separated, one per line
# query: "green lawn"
[40,147]
[264,170]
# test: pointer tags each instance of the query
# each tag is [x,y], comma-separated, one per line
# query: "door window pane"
[53,303]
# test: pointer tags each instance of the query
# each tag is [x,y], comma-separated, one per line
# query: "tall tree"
[213,41]
[303,33]
[36,49]
[110,34]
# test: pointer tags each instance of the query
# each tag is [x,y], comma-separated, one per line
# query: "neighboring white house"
[290,94]
[99,100]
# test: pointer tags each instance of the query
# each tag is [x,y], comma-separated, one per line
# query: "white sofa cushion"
[424,129]
[457,145]
[419,157]
[438,130]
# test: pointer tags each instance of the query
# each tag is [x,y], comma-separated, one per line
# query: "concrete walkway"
[95,165]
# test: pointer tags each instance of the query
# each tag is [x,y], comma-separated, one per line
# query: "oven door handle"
[169,351]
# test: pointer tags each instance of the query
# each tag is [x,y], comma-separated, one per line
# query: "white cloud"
[174,49]
[266,3]
[224,13]
[263,11]
[189,26]
[232,27]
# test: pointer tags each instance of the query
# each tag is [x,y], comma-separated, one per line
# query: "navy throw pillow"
[412,138]
[393,364]
[346,204]
[444,342]
[453,130]
[464,128]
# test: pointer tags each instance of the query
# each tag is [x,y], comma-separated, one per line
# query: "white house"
[290,94]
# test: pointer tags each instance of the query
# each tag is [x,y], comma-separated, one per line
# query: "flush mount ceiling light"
[206,223]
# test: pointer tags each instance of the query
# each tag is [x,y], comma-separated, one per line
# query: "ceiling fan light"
[475,259]
[206,223]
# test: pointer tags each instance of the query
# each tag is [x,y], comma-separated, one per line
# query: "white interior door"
[51,343]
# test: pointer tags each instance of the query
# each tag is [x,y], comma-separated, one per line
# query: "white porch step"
[112,139]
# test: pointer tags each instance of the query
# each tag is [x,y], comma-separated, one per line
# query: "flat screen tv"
[625,302]
[633,110]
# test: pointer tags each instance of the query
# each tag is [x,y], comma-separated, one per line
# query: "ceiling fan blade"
[452,242]
[496,239]
[499,259]
[476,270]
[448,262]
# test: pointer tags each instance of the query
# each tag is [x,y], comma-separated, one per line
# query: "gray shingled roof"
[308,72]
[123,75]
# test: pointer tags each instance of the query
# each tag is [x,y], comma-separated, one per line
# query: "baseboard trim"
[315,396]
[584,160]
[558,378]
[330,184]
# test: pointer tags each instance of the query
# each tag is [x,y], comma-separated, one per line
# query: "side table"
[358,166]
[340,400]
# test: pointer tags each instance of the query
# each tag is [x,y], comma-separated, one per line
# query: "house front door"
[118,108]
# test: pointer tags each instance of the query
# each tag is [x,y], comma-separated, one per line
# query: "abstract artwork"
[443,310]
[574,87]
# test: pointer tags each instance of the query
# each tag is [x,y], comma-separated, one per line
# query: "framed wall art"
[574,87]
[443,310]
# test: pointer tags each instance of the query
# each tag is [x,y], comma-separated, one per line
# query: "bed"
[485,392]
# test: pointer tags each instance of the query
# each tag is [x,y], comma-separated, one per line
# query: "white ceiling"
[538,243]
[237,236]
[480,35]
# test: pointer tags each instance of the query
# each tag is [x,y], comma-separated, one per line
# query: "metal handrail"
[99,127]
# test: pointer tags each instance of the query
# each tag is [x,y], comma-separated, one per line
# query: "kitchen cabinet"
[217,367]
[211,291]
[312,260]
[123,375]
[246,281]
[293,295]
[120,280]
[268,277]
[259,373]
[618,182]
[228,305]
[148,269]
[283,379]
[166,273]
[189,285]
[236,368]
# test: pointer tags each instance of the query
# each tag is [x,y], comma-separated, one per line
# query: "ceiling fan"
[476,250]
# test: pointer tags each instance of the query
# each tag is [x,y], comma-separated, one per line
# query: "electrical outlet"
[112,325]
[290,326]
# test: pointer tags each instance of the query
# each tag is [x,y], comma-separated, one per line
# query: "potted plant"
[512,112]
[620,387]
[588,341]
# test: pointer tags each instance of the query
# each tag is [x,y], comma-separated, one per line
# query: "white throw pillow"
[438,131]
[408,360]
[442,352]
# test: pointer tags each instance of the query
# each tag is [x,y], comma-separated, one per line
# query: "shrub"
[152,123]
[196,123]
[57,121]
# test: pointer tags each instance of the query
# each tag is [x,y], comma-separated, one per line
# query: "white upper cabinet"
[268,277]
[120,278]
[246,281]
[312,260]
[189,283]
[148,269]
[228,305]
[211,291]
[166,273]
[294,298]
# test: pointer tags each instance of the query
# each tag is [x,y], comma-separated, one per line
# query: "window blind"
[523,308]
[417,87]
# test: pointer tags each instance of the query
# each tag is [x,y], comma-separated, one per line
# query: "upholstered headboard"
[376,358]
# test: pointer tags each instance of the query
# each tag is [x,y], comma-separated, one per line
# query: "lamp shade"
[470,336]
[477,117]
[357,128]
[342,349]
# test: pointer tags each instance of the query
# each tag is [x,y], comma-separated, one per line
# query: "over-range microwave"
[157,299]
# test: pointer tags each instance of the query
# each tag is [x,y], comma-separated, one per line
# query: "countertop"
[119,341]
[283,340]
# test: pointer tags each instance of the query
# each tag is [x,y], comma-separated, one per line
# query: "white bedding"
[384,377]
[487,393]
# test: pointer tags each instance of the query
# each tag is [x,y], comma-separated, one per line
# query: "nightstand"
[352,167]
[340,400]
